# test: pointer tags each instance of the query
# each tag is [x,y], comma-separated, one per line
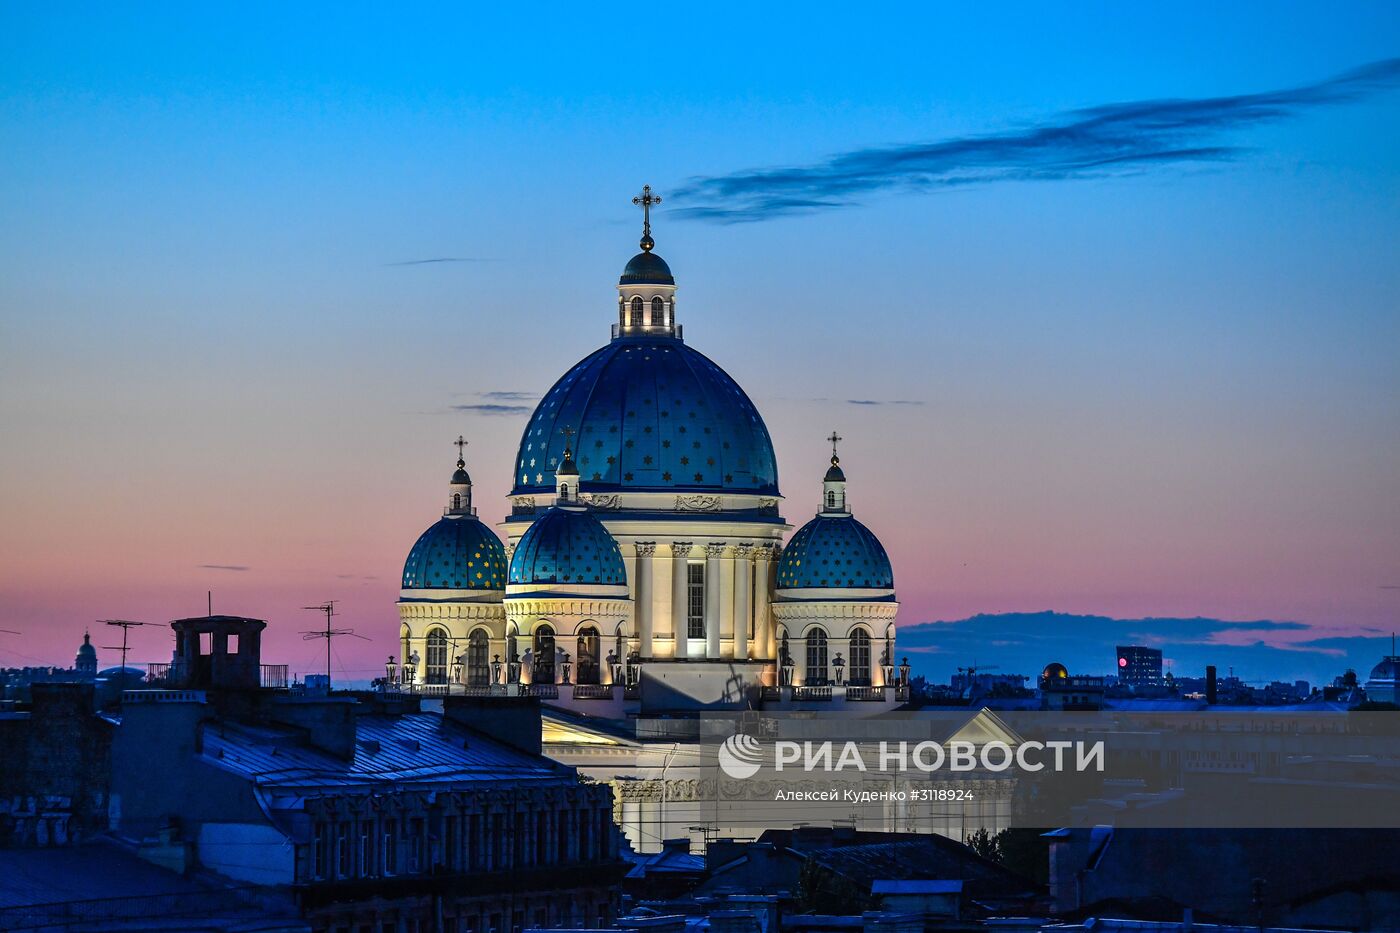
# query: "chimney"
[513,721]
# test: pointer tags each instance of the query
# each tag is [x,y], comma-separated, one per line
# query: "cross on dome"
[646,199]
[461,444]
[835,439]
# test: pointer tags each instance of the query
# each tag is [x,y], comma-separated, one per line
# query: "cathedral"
[645,565]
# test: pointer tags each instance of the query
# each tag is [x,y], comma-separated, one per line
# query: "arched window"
[588,647]
[456,500]
[478,664]
[658,312]
[435,671]
[831,500]
[860,658]
[816,659]
[564,492]
[544,655]
[637,306]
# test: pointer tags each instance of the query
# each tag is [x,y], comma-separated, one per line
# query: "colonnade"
[736,617]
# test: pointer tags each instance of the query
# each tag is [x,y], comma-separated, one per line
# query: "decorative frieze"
[699,503]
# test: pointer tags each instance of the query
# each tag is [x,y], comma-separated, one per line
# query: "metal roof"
[414,748]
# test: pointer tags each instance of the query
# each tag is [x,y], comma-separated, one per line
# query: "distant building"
[1061,691]
[1383,686]
[1138,666]
[85,664]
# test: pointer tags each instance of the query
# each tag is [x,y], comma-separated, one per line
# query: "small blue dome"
[567,546]
[646,269]
[648,413]
[457,553]
[834,551]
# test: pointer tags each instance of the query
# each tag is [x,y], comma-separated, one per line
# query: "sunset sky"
[1104,298]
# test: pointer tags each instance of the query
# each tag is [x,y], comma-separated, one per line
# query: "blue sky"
[1166,393]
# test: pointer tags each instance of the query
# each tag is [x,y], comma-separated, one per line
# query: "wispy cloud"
[855,401]
[240,568]
[428,262]
[493,408]
[510,396]
[877,401]
[1106,141]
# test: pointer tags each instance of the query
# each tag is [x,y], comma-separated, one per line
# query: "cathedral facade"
[645,564]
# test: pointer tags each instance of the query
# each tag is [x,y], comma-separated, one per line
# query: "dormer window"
[658,312]
[637,306]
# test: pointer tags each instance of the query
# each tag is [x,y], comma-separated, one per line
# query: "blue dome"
[649,413]
[567,546]
[457,553]
[646,269]
[834,551]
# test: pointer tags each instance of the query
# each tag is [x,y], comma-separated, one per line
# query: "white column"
[765,636]
[680,601]
[642,598]
[742,553]
[714,574]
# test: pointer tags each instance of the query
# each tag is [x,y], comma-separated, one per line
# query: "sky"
[1103,297]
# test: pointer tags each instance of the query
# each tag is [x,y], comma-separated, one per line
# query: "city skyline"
[251,293]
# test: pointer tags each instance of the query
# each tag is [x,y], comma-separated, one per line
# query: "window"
[860,658]
[390,858]
[658,312]
[816,658]
[831,500]
[320,852]
[695,604]
[544,655]
[366,850]
[456,500]
[231,645]
[415,845]
[478,667]
[564,492]
[436,672]
[564,824]
[588,647]
[206,643]
[637,306]
[344,856]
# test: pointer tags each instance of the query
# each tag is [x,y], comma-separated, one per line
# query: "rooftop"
[406,749]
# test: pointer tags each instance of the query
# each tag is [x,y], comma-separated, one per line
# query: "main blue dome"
[835,551]
[649,413]
[567,546]
[457,553]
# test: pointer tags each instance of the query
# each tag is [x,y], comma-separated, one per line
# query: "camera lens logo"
[740,756]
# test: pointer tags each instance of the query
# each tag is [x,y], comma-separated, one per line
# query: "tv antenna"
[328,633]
[125,625]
